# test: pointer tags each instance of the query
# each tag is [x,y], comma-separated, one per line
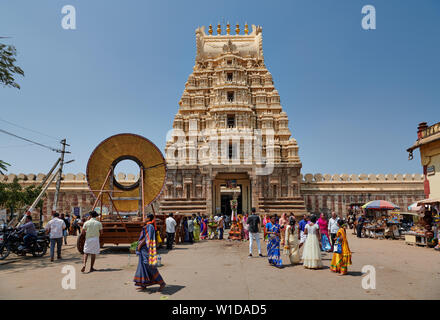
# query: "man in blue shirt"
[303,223]
[30,233]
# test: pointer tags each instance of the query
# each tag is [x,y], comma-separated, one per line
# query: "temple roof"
[244,45]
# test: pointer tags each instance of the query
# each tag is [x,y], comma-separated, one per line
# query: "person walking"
[333,227]
[191,230]
[254,224]
[92,230]
[171,230]
[65,231]
[55,229]
[302,226]
[196,233]
[265,221]
[292,239]
[342,255]
[204,228]
[360,225]
[220,227]
[273,245]
[323,229]
[76,226]
[245,226]
[283,224]
[184,225]
[69,220]
[146,272]
[312,252]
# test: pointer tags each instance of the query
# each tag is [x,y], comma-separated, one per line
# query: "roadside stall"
[429,224]
[376,214]
[393,223]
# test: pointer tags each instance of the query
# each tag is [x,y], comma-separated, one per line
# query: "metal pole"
[34,204]
[102,189]
[60,171]
[50,172]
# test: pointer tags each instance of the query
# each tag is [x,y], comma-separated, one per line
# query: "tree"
[3,168]
[8,69]
[14,197]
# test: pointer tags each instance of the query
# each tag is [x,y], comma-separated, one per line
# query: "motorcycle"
[12,241]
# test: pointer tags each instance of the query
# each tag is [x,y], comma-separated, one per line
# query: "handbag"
[337,248]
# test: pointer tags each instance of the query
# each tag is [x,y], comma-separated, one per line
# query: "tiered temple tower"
[230,136]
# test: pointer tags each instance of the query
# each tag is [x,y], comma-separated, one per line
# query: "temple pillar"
[209,197]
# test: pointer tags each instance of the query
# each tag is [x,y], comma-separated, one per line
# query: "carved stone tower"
[230,136]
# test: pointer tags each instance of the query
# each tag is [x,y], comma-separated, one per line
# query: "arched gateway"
[230,136]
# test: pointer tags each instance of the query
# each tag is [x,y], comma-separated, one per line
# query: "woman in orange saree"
[342,256]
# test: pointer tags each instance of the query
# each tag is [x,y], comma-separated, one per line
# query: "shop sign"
[430,171]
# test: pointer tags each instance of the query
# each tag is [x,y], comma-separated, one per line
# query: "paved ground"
[222,270]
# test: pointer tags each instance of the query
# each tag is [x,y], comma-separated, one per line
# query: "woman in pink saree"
[245,226]
[323,229]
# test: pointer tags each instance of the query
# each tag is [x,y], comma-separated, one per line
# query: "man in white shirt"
[92,230]
[55,229]
[171,230]
[333,227]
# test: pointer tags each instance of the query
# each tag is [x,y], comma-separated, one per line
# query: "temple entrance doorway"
[226,195]
[228,186]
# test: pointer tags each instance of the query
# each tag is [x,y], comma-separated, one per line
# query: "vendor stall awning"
[415,207]
[380,205]
[429,201]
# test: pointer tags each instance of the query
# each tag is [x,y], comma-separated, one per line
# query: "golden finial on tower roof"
[210,30]
[237,29]
[246,30]
[219,29]
[228,28]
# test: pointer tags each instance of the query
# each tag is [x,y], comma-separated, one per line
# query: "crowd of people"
[311,235]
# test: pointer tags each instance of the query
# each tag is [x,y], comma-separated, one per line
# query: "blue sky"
[353,97]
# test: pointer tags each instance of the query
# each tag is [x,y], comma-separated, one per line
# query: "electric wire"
[34,142]
[21,127]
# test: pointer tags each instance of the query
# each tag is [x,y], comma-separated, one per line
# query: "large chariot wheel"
[127,146]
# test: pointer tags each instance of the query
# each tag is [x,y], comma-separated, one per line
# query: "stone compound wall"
[321,192]
[325,192]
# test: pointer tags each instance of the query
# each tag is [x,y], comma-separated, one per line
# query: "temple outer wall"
[321,192]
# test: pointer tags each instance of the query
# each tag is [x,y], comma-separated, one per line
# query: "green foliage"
[3,168]
[8,69]
[13,196]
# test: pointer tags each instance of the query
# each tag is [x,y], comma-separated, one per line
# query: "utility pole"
[60,172]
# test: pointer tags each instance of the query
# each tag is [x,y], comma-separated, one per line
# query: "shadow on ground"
[168,290]
[27,263]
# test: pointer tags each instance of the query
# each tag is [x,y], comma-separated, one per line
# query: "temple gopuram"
[230,137]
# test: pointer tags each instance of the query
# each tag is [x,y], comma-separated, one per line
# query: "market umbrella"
[380,204]
[414,207]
